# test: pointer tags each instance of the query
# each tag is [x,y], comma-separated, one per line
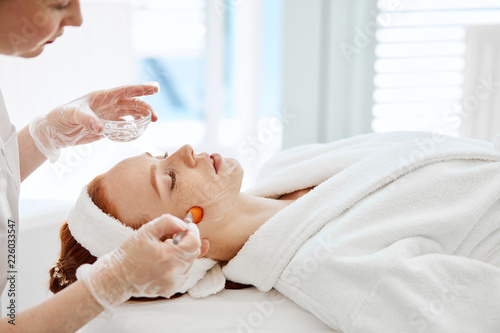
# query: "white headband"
[96,231]
[100,233]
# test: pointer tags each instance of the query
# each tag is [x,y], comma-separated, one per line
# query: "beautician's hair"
[72,254]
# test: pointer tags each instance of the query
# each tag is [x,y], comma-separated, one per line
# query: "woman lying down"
[396,232]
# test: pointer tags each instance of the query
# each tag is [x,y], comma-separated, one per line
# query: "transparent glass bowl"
[123,126]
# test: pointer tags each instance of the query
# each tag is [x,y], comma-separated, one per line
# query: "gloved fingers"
[137,105]
[182,255]
[166,292]
[86,117]
[184,270]
[88,138]
[163,277]
[191,242]
[164,225]
[137,90]
[105,98]
[176,281]
[180,262]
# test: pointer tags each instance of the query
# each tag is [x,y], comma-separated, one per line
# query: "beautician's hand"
[144,265]
[77,122]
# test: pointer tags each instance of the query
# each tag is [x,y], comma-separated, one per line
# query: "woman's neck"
[249,214]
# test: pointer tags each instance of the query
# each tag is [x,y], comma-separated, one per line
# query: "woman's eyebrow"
[152,176]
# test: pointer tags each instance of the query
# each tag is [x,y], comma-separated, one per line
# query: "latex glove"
[144,265]
[77,122]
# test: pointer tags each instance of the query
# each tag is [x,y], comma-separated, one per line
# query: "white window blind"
[420,61]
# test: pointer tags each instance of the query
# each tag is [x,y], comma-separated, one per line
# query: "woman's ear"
[205,246]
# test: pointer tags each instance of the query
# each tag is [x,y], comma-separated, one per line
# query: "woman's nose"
[74,17]
[186,155]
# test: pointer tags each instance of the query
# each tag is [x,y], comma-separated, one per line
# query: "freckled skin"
[228,217]
[196,185]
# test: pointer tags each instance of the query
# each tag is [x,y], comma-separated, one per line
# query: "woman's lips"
[53,40]
[217,159]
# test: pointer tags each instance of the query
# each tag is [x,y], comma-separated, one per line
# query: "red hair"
[72,254]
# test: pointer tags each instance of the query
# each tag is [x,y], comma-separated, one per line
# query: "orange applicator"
[194,215]
[197,213]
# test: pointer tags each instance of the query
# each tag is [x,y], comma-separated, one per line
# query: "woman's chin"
[232,165]
[32,53]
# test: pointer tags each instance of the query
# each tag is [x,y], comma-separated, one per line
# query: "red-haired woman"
[364,242]
[26,28]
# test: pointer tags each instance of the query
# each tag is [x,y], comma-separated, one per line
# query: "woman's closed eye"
[174,178]
[62,5]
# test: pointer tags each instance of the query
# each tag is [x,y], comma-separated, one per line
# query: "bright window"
[220,82]
[420,61]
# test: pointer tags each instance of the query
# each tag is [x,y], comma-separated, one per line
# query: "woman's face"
[144,187]
[26,26]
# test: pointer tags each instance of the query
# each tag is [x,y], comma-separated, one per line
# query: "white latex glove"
[144,265]
[77,122]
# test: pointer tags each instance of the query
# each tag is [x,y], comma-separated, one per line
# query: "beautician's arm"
[67,311]
[117,276]
[76,123]
[30,158]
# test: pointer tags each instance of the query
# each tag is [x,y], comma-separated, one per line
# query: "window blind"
[420,61]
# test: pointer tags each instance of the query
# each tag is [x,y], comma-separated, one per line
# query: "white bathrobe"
[401,234]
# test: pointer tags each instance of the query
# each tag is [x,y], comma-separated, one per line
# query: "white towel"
[101,233]
[400,235]
[204,279]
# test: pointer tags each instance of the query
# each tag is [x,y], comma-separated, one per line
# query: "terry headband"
[96,231]
[101,233]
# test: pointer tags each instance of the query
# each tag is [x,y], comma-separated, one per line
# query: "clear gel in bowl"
[123,126]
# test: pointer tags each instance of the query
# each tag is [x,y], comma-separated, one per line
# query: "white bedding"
[242,311]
